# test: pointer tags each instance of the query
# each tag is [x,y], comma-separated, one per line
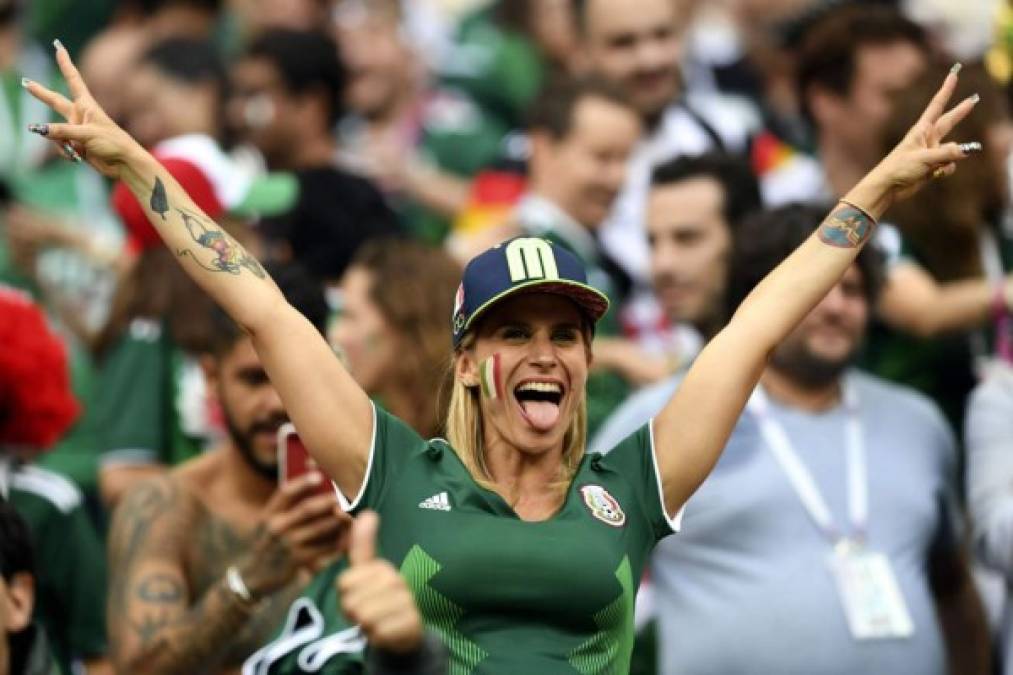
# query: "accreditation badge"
[872,600]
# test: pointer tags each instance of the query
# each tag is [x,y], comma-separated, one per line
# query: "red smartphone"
[294,460]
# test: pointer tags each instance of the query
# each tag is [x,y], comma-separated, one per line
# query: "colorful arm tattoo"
[229,256]
[846,227]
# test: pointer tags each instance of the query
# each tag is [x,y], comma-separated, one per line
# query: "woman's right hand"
[91,132]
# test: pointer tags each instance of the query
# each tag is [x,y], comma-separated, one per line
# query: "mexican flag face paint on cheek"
[491,377]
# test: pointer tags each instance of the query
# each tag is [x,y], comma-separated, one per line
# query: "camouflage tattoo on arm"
[846,227]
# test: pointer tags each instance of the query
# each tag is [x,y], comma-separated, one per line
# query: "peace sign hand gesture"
[922,155]
[89,130]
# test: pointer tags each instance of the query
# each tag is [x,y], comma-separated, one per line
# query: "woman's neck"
[527,481]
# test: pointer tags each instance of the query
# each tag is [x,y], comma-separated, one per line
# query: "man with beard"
[206,559]
[827,465]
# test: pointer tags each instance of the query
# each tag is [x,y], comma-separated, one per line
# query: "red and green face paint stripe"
[491,377]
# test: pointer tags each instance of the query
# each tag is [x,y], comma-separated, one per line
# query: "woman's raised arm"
[694,426]
[331,412]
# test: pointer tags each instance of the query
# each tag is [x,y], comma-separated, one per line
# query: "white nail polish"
[25,82]
[955,70]
[975,98]
[57,44]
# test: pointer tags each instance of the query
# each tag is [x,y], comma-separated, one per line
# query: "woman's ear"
[465,368]
[20,592]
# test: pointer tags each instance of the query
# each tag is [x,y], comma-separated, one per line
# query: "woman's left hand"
[922,156]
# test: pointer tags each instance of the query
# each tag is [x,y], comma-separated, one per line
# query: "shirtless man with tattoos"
[206,559]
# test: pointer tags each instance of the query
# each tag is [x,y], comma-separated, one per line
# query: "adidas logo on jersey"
[436,503]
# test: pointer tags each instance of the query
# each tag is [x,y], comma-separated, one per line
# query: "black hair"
[300,290]
[150,7]
[579,13]
[829,46]
[188,60]
[553,108]
[734,175]
[15,543]
[306,61]
[767,238]
[10,11]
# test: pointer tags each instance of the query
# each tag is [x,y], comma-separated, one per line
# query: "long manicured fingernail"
[970,148]
[58,45]
[975,98]
[955,69]
[40,129]
[72,154]
[25,82]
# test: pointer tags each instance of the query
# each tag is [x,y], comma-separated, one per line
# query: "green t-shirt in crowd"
[150,405]
[506,595]
[69,561]
[944,367]
[500,69]
[76,197]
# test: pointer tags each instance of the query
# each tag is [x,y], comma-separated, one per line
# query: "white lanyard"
[801,478]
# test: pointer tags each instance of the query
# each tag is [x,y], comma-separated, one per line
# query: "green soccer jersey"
[316,637]
[151,405]
[506,595]
[69,560]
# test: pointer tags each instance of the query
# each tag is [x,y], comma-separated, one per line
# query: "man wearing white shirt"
[828,469]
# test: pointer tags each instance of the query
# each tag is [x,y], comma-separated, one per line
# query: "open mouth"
[540,402]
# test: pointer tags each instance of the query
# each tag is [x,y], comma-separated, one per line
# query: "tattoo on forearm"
[159,201]
[160,588]
[229,256]
[846,227]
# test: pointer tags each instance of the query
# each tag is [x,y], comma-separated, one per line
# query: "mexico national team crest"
[602,505]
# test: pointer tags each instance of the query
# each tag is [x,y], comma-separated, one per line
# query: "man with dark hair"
[827,465]
[850,64]
[206,559]
[287,95]
[636,45]
[23,646]
[694,209]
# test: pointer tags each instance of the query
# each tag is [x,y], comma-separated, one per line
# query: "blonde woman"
[523,552]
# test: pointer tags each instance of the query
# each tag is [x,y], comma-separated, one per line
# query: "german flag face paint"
[491,376]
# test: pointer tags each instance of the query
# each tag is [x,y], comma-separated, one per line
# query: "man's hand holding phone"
[300,526]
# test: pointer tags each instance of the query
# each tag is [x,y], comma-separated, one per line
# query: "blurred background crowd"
[378,144]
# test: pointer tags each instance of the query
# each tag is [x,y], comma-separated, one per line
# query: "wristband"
[858,208]
[234,582]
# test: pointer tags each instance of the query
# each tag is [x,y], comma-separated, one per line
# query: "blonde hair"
[464,431]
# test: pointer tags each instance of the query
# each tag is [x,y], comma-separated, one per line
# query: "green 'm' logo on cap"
[531,259]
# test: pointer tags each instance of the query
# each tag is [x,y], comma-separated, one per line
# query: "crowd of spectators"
[365,150]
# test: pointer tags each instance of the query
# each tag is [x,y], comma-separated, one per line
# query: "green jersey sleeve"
[133,384]
[394,442]
[315,638]
[635,458]
[70,599]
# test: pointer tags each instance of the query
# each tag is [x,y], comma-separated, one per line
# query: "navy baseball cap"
[522,265]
